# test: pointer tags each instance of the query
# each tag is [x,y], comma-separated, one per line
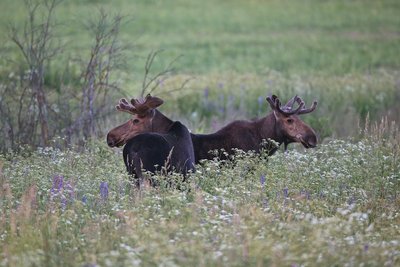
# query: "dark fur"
[282,125]
[152,151]
[244,135]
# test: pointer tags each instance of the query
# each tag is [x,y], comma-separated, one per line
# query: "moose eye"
[289,121]
[135,121]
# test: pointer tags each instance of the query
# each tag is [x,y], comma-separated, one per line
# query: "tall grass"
[307,36]
[344,54]
[335,205]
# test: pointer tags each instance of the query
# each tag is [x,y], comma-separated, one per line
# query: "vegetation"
[335,205]
[71,203]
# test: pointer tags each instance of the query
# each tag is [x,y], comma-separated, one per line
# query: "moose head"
[144,114]
[289,127]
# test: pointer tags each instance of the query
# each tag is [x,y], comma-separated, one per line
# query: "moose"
[152,141]
[282,125]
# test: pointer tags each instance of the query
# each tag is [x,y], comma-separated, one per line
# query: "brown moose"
[282,125]
[152,141]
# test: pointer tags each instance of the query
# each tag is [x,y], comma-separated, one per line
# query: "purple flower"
[285,192]
[84,199]
[104,190]
[262,180]
[70,190]
[58,182]
[206,92]
[64,202]
[220,85]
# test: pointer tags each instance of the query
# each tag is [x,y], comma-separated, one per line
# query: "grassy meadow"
[335,205]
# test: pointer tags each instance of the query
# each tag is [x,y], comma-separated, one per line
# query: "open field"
[343,53]
[335,205]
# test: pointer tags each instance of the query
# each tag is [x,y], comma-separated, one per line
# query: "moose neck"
[160,122]
[269,129]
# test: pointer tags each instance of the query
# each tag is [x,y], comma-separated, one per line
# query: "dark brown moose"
[282,125]
[152,140]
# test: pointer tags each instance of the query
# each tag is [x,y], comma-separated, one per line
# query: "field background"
[337,204]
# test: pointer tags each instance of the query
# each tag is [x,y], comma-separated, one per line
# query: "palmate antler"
[139,106]
[288,108]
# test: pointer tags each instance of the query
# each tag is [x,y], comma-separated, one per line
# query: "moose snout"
[311,141]
[110,141]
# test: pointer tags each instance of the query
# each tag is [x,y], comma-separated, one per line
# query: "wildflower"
[63,202]
[70,190]
[285,192]
[104,190]
[58,182]
[262,180]
[206,92]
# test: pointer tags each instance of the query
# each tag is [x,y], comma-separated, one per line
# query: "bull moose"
[169,146]
[282,125]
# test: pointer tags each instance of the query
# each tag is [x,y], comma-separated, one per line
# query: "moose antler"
[288,108]
[139,106]
[308,110]
[125,106]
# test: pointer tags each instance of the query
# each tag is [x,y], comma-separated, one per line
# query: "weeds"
[337,204]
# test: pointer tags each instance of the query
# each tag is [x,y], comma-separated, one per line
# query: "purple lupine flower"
[70,190]
[262,180]
[64,201]
[104,190]
[220,85]
[308,195]
[285,192]
[206,93]
[84,199]
[58,182]
[366,247]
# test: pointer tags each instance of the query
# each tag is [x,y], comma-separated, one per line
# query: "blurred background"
[65,64]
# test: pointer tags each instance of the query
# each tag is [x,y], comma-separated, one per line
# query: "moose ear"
[153,102]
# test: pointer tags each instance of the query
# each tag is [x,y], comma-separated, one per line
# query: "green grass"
[343,53]
[334,205]
[334,37]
